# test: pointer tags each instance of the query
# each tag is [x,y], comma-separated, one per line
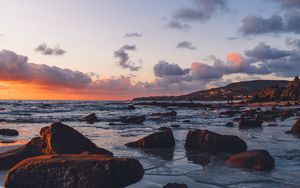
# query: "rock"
[206,141]
[162,139]
[229,124]
[186,121]
[175,126]
[91,118]
[296,128]
[249,123]
[31,149]
[82,170]
[169,114]
[62,139]
[254,159]
[9,132]
[56,139]
[130,107]
[272,125]
[175,185]
[163,128]
[133,119]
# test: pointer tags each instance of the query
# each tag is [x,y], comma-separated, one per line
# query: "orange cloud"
[235,58]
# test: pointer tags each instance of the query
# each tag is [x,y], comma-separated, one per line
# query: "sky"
[122,49]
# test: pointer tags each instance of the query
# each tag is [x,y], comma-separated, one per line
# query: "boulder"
[62,139]
[296,128]
[56,139]
[249,123]
[9,132]
[207,141]
[162,139]
[91,118]
[254,159]
[175,185]
[31,149]
[81,170]
[133,119]
[130,107]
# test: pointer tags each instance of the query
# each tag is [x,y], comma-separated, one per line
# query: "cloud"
[133,35]
[123,57]
[200,71]
[14,67]
[293,42]
[45,50]
[163,68]
[186,44]
[255,25]
[177,25]
[288,4]
[263,52]
[201,11]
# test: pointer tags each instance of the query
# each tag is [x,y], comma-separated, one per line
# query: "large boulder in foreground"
[81,170]
[249,123]
[56,139]
[254,159]
[62,139]
[31,149]
[162,139]
[296,128]
[9,132]
[207,141]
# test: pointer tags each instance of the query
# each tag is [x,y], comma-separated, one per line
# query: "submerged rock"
[296,128]
[56,139]
[75,171]
[91,118]
[229,124]
[130,107]
[133,119]
[249,123]
[254,159]
[206,141]
[9,132]
[162,139]
[175,185]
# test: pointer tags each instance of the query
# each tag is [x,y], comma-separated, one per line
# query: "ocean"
[161,166]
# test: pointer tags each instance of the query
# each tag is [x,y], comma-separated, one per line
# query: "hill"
[238,90]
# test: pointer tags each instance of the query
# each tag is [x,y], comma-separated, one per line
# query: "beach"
[164,166]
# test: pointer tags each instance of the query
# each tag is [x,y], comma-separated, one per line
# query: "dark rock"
[162,139]
[206,141]
[249,123]
[296,128]
[229,124]
[31,149]
[175,185]
[231,113]
[56,139]
[272,125]
[175,126]
[75,171]
[130,107]
[91,118]
[169,114]
[62,139]
[133,119]
[163,128]
[9,132]
[254,159]
[186,121]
